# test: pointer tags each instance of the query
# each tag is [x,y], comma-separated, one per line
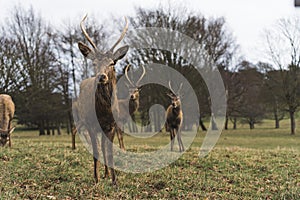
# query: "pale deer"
[105,105]
[7,110]
[174,117]
[133,100]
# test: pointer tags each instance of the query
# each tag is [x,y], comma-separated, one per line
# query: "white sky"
[245,18]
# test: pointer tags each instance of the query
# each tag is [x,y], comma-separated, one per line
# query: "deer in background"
[105,104]
[134,102]
[174,117]
[7,110]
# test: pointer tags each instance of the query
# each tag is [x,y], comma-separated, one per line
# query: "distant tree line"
[41,68]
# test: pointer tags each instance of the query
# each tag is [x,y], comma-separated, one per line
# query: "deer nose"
[173,104]
[103,78]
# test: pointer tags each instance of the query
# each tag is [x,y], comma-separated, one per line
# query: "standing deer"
[7,110]
[105,104]
[134,103]
[174,117]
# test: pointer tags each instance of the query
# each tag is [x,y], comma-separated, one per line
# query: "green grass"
[259,164]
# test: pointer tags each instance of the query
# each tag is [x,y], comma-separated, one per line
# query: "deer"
[104,105]
[7,110]
[174,117]
[134,102]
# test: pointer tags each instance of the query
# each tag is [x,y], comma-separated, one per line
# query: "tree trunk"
[226,123]
[48,128]
[202,125]
[234,123]
[213,123]
[42,128]
[74,130]
[293,123]
[53,129]
[157,121]
[70,121]
[58,129]
[251,124]
[68,127]
[276,119]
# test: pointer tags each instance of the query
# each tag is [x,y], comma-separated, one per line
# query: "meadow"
[245,164]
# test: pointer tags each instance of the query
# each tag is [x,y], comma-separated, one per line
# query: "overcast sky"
[245,18]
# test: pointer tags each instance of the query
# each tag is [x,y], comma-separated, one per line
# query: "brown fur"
[134,103]
[7,110]
[97,103]
[174,117]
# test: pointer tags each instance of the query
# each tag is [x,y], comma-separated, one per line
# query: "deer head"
[103,61]
[134,89]
[4,135]
[175,97]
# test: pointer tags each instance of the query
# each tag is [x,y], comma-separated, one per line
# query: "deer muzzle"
[103,78]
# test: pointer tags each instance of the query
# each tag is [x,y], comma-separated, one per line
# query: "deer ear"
[86,51]
[120,53]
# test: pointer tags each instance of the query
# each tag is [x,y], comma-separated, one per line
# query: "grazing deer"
[174,117]
[105,104]
[134,103]
[7,110]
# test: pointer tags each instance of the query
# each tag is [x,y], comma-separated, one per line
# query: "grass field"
[259,164]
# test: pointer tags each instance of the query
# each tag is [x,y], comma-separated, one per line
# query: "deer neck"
[107,91]
[176,110]
[133,105]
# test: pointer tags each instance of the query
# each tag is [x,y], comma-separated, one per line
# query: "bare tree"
[283,49]
[37,68]
[251,108]
[11,76]
[216,44]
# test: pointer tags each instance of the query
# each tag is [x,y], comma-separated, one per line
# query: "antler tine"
[171,88]
[85,33]
[141,77]
[126,75]
[121,37]
[180,87]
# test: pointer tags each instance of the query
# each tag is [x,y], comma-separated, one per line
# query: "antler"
[126,75]
[171,88]
[86,34]
[121,37]
[141,77]
[178,91]
[180,87]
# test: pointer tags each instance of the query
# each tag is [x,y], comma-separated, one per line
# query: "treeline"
[41,67]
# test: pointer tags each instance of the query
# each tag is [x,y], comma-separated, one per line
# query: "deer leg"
[95,155]
[172,138]
[104,152]
[181,147]
[120,138]
[9,138]
[110,156]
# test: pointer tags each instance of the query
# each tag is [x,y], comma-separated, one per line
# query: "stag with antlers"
[174,117]
[133,101]
[98,99]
